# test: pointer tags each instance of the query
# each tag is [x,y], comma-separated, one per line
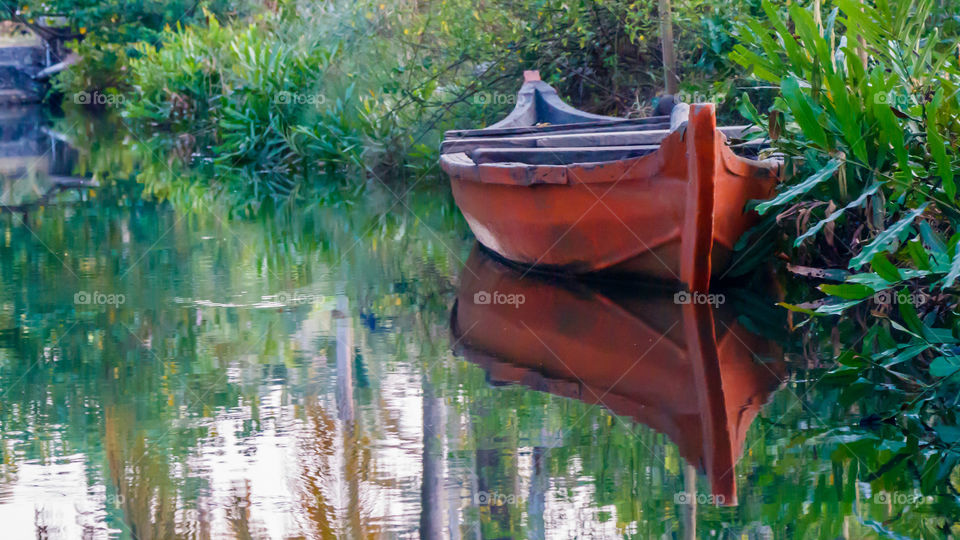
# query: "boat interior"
[543,130]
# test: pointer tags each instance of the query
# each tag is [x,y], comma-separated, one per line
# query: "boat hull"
[674,214]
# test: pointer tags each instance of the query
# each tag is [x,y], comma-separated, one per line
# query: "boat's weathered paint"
[685,370]
[672,211]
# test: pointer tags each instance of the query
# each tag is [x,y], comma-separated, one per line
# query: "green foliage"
[122,21]
[372,85]
[259,118]
[866,121]
[109,29]
[103,67]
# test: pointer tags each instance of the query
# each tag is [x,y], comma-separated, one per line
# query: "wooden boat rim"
[728,131]
[480,133]
[461,166]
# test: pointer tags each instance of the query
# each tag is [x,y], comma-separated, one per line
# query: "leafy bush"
[867,122]
[108,29]
[103,67]
[252,104]
[319,91]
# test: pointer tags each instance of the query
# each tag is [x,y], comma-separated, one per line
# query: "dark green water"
[166,374]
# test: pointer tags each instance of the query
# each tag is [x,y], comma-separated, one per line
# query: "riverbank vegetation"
[867,123]
[263,103]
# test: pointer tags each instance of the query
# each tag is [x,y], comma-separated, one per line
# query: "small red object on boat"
[559,189]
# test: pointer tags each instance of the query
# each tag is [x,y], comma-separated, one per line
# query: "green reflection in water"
[170,374]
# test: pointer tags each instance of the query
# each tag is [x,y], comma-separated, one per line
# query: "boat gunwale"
[588,139]
[459,165]
[481,133]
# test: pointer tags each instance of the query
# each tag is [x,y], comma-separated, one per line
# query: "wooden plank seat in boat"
[568,140]
[612,124]
[559,156]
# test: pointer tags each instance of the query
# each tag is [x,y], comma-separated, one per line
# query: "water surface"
[338,371]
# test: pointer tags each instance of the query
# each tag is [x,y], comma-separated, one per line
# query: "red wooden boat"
[562,190]
[688,371]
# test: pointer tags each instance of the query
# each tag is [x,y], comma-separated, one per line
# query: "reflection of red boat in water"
[688,371]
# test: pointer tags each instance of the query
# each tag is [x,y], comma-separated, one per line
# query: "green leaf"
[797,309]
[797,57]
[746,109]
[891,132]
[948,434]
[885,238]
[908,352]
[885,269]
[756,63]
[849,357]
[799,189]
[855,391]
[848,291]
[938,148]
[909,313]
[954,271]
[803,112]
[838,307]
[918,255]
[945,366]
[940,335]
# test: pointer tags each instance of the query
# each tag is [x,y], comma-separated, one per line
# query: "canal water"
[363,369]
